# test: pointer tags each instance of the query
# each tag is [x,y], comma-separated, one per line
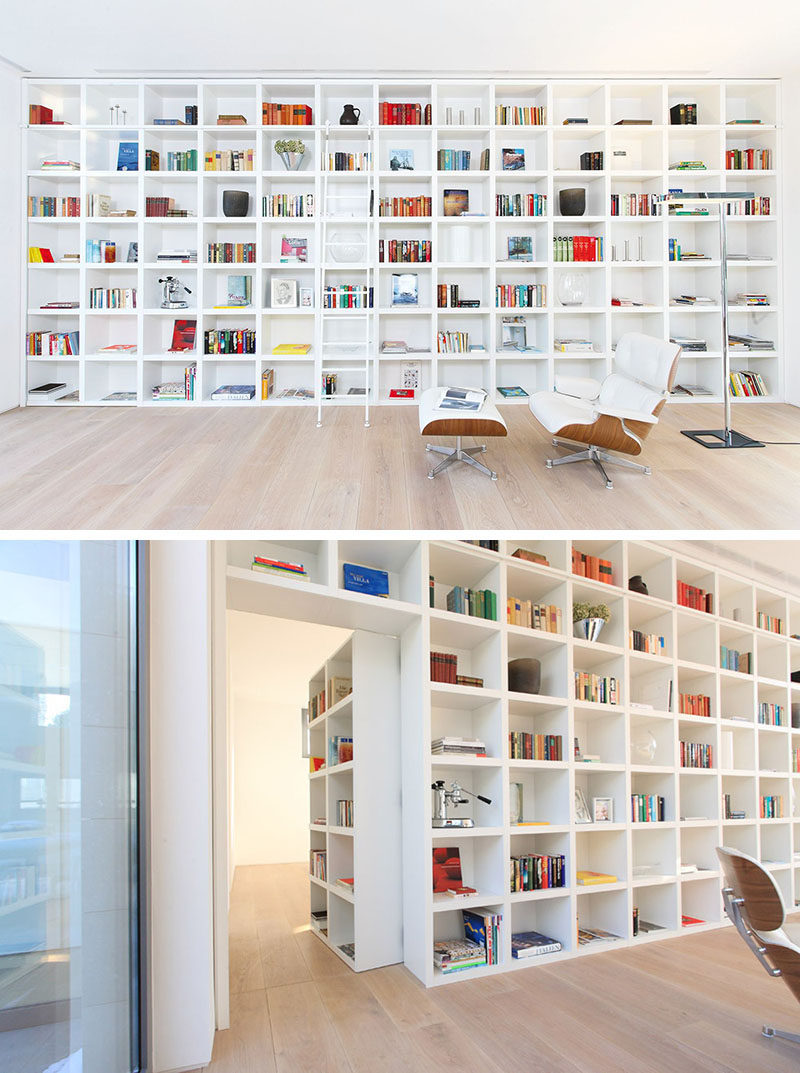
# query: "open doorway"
[270,663]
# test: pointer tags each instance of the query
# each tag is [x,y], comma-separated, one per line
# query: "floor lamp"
[724,437]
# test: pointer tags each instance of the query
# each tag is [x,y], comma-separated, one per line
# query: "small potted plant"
[291,152]
[588,620]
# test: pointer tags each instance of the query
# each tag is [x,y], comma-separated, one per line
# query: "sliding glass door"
[69,982]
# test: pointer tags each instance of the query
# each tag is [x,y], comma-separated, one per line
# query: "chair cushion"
[620,393]
[556,411]
[645,358]
[487,421]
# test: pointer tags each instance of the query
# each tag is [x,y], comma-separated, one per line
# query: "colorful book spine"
[450,342]
[694,704]
[647,808]
[395,114]
[520,115]
[596,688]
[112,298]
[42,205]
[231,252]
[524,746]
[342,161]
[405,251]
[593,567]
[695,598]
[696,754]
[520,295]
[537,871]
[289,205]
[347,296]
[405,206]
[652,643]
[230,341]
[520,204]
[578,248]
[52,344]
[286,115]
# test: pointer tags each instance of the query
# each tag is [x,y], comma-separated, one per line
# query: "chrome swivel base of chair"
[459,454]
[770,1032]
[596,455]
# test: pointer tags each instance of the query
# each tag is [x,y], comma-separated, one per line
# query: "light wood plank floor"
[236,469]
[694,1004]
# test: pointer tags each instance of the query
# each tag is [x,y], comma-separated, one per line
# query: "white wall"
[180,937]
[10,224]
[270,662]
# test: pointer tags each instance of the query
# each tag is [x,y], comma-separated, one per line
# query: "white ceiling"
[582,37]
[775,562]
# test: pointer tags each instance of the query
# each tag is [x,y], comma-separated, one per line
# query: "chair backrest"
[649,360]
[763,906]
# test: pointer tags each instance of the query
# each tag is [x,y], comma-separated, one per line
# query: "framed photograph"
[401,159]
[283,293]
[307,297]
[294,249]
[405,289]
[582,814]
[603,809]
[513,159]
[520,247]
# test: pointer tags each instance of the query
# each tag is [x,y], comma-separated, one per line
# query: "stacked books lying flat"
[685,342]
[455,746]
[279,567]
[691,300]
[573,346]
[454,955]
[751,299]
[749,342]
[526,944]
[233,393]
[590,879]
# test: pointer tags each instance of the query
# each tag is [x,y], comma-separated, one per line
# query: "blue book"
[474,927]
[128,156]
[366,579]
[530,943]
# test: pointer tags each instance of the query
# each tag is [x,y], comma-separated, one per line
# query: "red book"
[46,255]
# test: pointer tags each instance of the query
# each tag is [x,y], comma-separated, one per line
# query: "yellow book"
[586,879]
[34,254]
[291,348]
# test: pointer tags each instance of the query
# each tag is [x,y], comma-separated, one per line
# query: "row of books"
[694,597]
[634,204]
[43,205]
[519,115]
[229,160]
[318,864]
[40,114]
[340,750]
[286,115]
[524,746]
[597,688]
[755,206]
[451,342]
[178,160]
[43,255]
[696,754]
[104,251]
[694,704]
[405,206]
[344,813]
[748,159]
[231,252]
[444,668]
[647,808]
[230,341]
[112,297]
[747,384]
[772,715]
[341,161]
[771,807]
[520,204]
[347,296]
[459,160]
[769,622]
[592,161]
[177,389]
[479,603]
[288,205]
[537,871]
[675,252]
[683,114]
[592,566]
[448,297]
[578,247]
[732,660]
[520,295]
[652,643]
[161,206]
[318,704]
[52,344]
[547,617]
[407,251]
[392,113]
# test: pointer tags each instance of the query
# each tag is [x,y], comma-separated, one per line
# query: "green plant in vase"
[589,619]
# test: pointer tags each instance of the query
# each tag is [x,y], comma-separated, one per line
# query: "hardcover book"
[456,202]
[128,156]
[183,335]
[446,869]
[366,579]
[513,159]
[405,288]
[520,248]
[530,943]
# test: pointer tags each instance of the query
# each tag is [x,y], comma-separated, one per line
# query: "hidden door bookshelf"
[635,744]
[355,803]
[470,253]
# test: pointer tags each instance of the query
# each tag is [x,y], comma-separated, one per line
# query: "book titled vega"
[366,579]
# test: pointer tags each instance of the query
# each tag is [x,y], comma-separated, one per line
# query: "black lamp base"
[721,438]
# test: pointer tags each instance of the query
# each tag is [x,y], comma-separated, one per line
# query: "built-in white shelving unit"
[471,252]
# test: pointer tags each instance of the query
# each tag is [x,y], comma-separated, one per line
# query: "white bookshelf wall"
[469,251]
[636,740]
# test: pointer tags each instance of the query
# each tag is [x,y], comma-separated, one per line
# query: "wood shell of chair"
[788,961]
[763,908]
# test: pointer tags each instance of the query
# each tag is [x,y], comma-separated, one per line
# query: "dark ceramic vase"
[636,584]
[572,201]
[350,116]
[524,675]
[235,202]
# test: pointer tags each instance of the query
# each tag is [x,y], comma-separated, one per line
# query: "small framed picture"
[520,248]
[283,293]
[513,159]
[603,809]
[401,159]
[307,297]
[582,814]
